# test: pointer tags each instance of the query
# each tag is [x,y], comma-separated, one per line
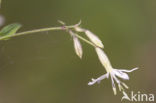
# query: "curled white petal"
[95,39]
[98,80]
[121,74]
[122,70]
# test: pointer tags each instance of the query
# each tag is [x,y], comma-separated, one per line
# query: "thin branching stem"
[85,40]
[47,29]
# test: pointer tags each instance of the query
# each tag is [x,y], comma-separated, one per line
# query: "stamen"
[113,85]
[124,85]
[114,90]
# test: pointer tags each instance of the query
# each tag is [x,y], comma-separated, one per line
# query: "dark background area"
[43,67]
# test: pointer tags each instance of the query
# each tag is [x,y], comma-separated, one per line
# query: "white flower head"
[114,74]
[95,39]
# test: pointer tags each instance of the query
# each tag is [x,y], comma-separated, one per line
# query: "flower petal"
[98,80]
[127,71]
[121,74]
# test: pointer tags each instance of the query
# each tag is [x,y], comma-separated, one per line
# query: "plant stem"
[35,31]
[46,29]
[85,40]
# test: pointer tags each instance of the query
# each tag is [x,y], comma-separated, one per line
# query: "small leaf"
[10,29]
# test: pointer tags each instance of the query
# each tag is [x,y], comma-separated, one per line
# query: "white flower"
[114,74]
[77,45]
[94,39]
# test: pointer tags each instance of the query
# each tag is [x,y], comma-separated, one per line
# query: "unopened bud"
[94,39]
[77,46]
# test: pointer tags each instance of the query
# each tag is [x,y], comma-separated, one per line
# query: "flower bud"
[77,46]
[79,29]
[94,39]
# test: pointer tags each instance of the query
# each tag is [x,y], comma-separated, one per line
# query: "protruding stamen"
[120,87]
[124,85]
[114,90]
[113,85]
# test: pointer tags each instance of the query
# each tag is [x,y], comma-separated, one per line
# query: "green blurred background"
[43,67]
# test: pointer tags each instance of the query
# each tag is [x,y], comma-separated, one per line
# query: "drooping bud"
[95,39]
[77,46]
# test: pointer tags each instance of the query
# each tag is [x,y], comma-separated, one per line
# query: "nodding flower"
[114,74]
